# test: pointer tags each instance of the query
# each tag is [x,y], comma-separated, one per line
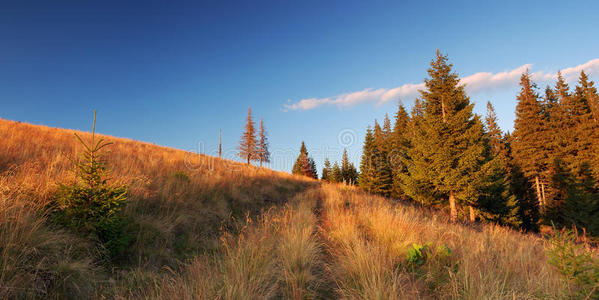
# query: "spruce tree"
[326,171]
[528,210]
[398,154]
[530,136]
[382,181]
[336,173]
[447,150]
[387,133]
[580,198]
[263,153]
[582,147]
[497,201]
[366,178]
[248,149]
[348,171]
[304,164]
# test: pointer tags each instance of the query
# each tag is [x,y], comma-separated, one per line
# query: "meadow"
[207,228]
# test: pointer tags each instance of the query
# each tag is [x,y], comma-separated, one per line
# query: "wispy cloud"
[475,83]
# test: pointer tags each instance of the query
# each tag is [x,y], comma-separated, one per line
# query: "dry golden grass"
[179,202]
[370,238]
[223,230]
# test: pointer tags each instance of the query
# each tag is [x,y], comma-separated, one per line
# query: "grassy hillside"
[179,202]
[213,229]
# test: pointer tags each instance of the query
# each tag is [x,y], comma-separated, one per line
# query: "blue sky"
[174,73]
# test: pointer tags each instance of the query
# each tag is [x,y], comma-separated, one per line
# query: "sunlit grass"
[213,229]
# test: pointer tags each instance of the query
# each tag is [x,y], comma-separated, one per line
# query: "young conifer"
[263,153]
[326,171]
[348,171]
[248,149]
[367,172]
[304,164]
[336,173]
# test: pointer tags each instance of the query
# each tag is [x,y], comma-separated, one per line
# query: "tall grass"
[371,237]
[214,229]
[275,256]
[179,204]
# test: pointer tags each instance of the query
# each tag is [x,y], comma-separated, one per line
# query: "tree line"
[442,154]
[337,173]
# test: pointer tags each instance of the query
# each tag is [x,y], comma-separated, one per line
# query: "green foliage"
[576,264]
[580,197]
[417,254]
[326,170]
[91,206]
[180,176]
[336,175]
[447,149]
[443,252]
[398,153]
[349,173]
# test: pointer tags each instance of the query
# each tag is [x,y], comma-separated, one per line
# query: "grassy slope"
[318,241]
[175,217]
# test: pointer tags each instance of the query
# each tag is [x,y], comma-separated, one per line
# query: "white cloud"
[475,83]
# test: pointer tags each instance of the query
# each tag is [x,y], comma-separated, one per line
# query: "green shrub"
[180,176]
[576,264]
[91,206]
[417,253]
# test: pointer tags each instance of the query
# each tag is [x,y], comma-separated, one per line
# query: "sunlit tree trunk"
[452,208]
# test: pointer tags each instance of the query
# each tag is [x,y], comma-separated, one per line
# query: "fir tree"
[336,173]
[326,170]
[447,151]
[304,164]
[92,206]
[583,138]
[399,146]
[497,200]
[579,204]
[248,149]
[530,136]
[493,131]
[387,143]
[528,210]
[382,181]
[366,178]
[348,171]
[263,153]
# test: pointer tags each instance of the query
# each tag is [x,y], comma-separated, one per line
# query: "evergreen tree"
[336,173]
[382,181]
[530,136]
[580,198]
[387,133]
[493,131]
[497,201]
[399,146]
[528,211]
[263,153]
[348,171]
[447,151]
[366,178]
[248,149]
[304,164]
[583,131]
[326,170]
